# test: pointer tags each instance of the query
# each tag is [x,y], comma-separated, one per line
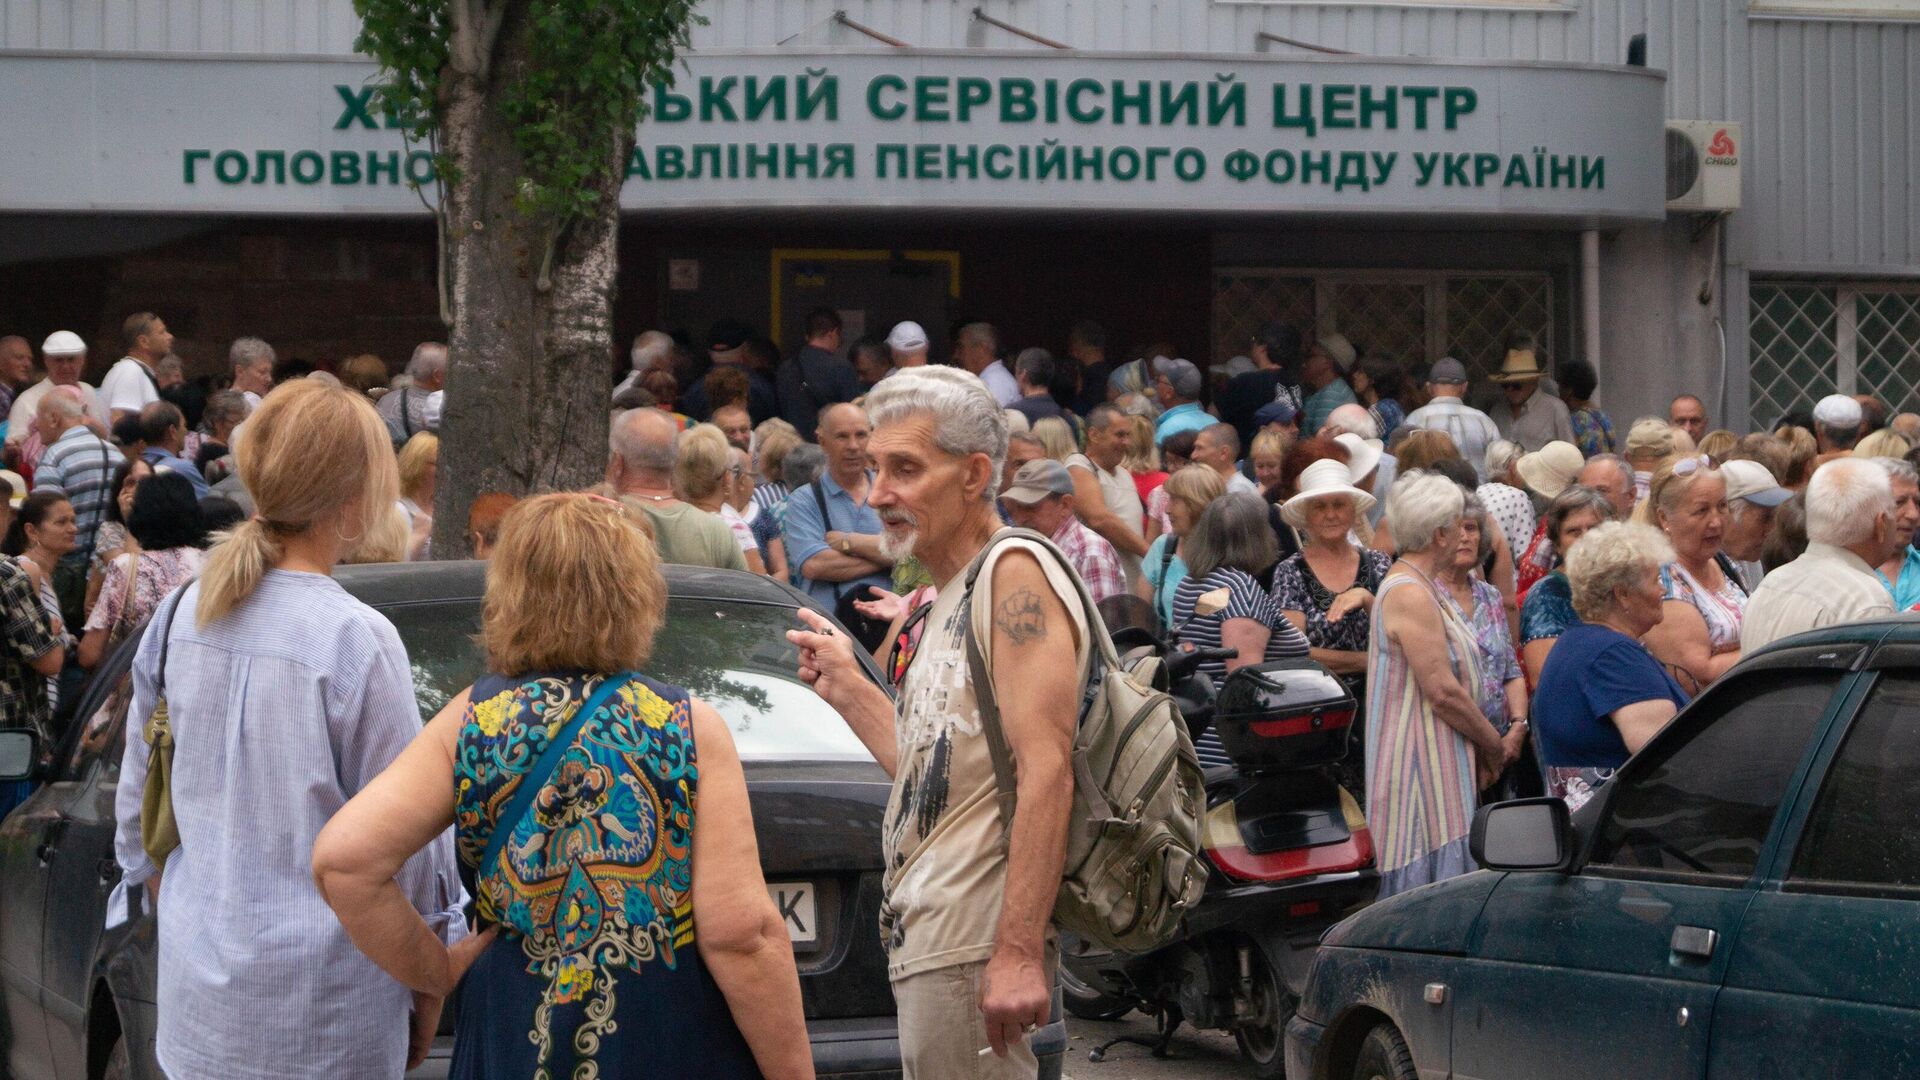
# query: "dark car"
[79,1000]
[1741,900]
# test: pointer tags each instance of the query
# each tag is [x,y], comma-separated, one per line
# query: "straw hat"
[1548,470]
[1319,480]
[1521,365]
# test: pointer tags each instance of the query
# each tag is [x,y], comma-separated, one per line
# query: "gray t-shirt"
[690,536]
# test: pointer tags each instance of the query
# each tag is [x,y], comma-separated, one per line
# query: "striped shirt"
[80,465]
[1470,429]
[1245,600]
[766,495]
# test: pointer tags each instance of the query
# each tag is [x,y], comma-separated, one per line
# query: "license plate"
[795,899]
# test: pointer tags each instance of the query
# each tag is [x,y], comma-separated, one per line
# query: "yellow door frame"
[783,256]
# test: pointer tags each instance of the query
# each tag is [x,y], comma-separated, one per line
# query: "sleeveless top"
[594,887]
[1721,611]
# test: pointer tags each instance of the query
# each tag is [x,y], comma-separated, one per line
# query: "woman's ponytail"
[234,568]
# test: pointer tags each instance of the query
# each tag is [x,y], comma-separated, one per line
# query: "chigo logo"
[1721,150]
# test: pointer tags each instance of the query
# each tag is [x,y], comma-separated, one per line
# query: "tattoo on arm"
[1021,617]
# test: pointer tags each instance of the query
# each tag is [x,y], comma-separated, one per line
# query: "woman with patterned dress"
[1428,746]
[165,525]
[625,926]
[1503,688]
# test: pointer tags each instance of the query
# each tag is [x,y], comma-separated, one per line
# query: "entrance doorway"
[871,289]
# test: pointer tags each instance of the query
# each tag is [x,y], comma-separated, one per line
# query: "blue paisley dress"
[596,973]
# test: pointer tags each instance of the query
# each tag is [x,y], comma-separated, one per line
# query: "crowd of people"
[1521,596]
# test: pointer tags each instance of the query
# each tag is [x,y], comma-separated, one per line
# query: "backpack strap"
[826,526]
[536,778]
[1103,659]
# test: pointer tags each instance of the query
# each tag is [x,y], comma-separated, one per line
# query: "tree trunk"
[529,373]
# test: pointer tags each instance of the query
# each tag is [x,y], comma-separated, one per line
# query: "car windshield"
[733,656]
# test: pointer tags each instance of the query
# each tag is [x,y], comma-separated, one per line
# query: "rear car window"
[735,657]
[1865,828]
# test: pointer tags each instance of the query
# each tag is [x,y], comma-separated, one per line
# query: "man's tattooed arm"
[1021,617]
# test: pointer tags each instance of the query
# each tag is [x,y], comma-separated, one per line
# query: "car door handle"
[1694,942]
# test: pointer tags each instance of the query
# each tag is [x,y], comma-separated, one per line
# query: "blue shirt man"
[162,458]
[832,535]
[1177,384]
[165,430]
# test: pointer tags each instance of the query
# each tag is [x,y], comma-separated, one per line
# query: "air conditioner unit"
[1703,165]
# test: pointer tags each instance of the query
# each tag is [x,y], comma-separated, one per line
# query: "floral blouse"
[1494,650]
[1295,588]
[161,572]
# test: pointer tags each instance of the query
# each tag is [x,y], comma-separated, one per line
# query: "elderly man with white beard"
[968,898]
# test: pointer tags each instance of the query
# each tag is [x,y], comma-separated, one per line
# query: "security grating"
[1793,354]
[1811,339]
[1413,318]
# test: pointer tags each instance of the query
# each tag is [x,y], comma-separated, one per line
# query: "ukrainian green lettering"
[1089,161]
[391,167]
[1383,166]
[1140,102]
[926,161]
[1593,172]
[773,95]
[1125,156]
[1388,104]
[1561,169]
[930,99]
[669,107]
[1336,106]
[1426,162]
[1226,98]
[417,175]
[1316,161]
[1517,175]
[898,151]
[1456,170]
[636,165]
[309,167]
[973,93]
[1016,101]
[187,162]
[796,160]
[1172,104]
[812,97]
[1285,118]
[1279,166]
[670,162]
[1156,155]
[839,161]
[733,161]
[359,108]
[1050,104]
[1026,162]
[1458,102]
[260,160]
[1352,172]
[1539,166]
[1050,160]
[235,158]
[1421,96]
[705,162]
[1242,165]
[1484,165]
[1085,114]
[763,157]
[1189,164]
[715,98]
[886,82]
[963,157]
[1002,152]
[343,167]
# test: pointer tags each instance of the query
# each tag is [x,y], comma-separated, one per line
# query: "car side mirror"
[1525,834]
[19,749]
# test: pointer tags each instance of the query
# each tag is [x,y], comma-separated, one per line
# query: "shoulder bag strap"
[126,598]
[1104,658]
[406,412]
[159,727]
[826,526]
[536,778]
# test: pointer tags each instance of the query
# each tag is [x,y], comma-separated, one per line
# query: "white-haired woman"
[1602,694]
[1503,687]
[1504,494]
[1221,603]
[1699,640]
[1428,746]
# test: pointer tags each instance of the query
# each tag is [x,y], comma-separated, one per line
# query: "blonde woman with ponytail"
[285,696]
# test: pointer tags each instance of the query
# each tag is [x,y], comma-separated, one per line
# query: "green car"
[1742,900]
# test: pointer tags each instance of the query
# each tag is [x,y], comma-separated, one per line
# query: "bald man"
[640,469]
[1689,414]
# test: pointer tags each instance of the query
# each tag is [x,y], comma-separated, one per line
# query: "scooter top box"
[1289,714]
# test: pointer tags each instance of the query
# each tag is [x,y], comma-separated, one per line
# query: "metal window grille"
[1811,339]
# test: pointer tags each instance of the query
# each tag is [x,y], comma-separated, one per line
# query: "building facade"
[1427,178]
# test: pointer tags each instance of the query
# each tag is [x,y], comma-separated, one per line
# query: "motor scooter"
[1289,852]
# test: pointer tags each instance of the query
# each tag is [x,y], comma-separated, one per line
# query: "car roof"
[391,583]
[1878,641]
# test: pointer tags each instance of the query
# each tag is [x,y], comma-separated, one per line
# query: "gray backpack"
[1133,866]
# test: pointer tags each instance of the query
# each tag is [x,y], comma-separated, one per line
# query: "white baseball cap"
[907,337]
[63,343]
[1751,481]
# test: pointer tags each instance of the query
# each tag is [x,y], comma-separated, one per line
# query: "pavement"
[1195,1055]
